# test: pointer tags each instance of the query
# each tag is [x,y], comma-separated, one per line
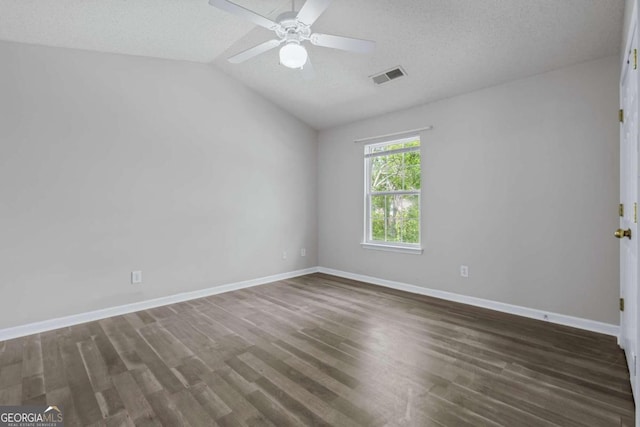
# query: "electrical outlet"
[136,277]
[464,270]
[284,254]
[303,252]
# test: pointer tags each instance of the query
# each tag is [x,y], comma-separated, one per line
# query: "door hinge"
[621,304]
[621,210]
[635,59]
[635,213]
[621,115]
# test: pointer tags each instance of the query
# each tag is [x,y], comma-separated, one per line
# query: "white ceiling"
[447,47]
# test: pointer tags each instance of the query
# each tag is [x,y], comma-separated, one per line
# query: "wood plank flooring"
[320,350]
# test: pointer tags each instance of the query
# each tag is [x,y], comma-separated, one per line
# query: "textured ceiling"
[188,30]
[447,47]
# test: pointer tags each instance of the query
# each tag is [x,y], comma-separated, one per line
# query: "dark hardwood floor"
[319,350]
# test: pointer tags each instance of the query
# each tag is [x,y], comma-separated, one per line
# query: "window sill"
[392,248]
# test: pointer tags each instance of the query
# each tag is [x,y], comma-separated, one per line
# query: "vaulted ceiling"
[447,47]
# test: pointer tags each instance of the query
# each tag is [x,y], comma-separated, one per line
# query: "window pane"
[411,167]
[395,218]
[411,220]
[387,173]
[412,175]
[395,172]
[378,218]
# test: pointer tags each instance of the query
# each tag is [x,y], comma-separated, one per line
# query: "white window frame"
[368,242]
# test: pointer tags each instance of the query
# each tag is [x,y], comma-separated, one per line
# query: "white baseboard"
[75,319]
[561,319]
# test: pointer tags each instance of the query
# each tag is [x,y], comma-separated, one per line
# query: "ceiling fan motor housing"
[290,29]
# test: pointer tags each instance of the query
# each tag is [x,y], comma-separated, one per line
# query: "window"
[392,195]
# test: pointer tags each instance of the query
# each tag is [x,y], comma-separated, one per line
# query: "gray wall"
[520,183]
[111,163]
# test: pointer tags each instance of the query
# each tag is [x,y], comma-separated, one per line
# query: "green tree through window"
[393,192]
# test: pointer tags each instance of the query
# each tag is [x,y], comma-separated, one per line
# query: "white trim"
[560,319]
[368,241]
[75,319]
[396,192]
[392,248]
[389,135]
[370,153]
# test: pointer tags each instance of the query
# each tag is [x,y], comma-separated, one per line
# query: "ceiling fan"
[292,29]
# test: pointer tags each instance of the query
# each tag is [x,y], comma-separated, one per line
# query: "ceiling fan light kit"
[292,30]
[293,55]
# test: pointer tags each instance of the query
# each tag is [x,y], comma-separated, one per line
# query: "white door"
[628,232]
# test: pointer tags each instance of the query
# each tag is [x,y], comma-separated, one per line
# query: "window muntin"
[392,190]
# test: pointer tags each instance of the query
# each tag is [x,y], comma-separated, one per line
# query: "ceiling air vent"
[388,75]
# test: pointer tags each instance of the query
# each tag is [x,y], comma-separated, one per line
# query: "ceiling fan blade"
[308,72]
[254,51]
[244,13]
[344,43]
[312,10]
